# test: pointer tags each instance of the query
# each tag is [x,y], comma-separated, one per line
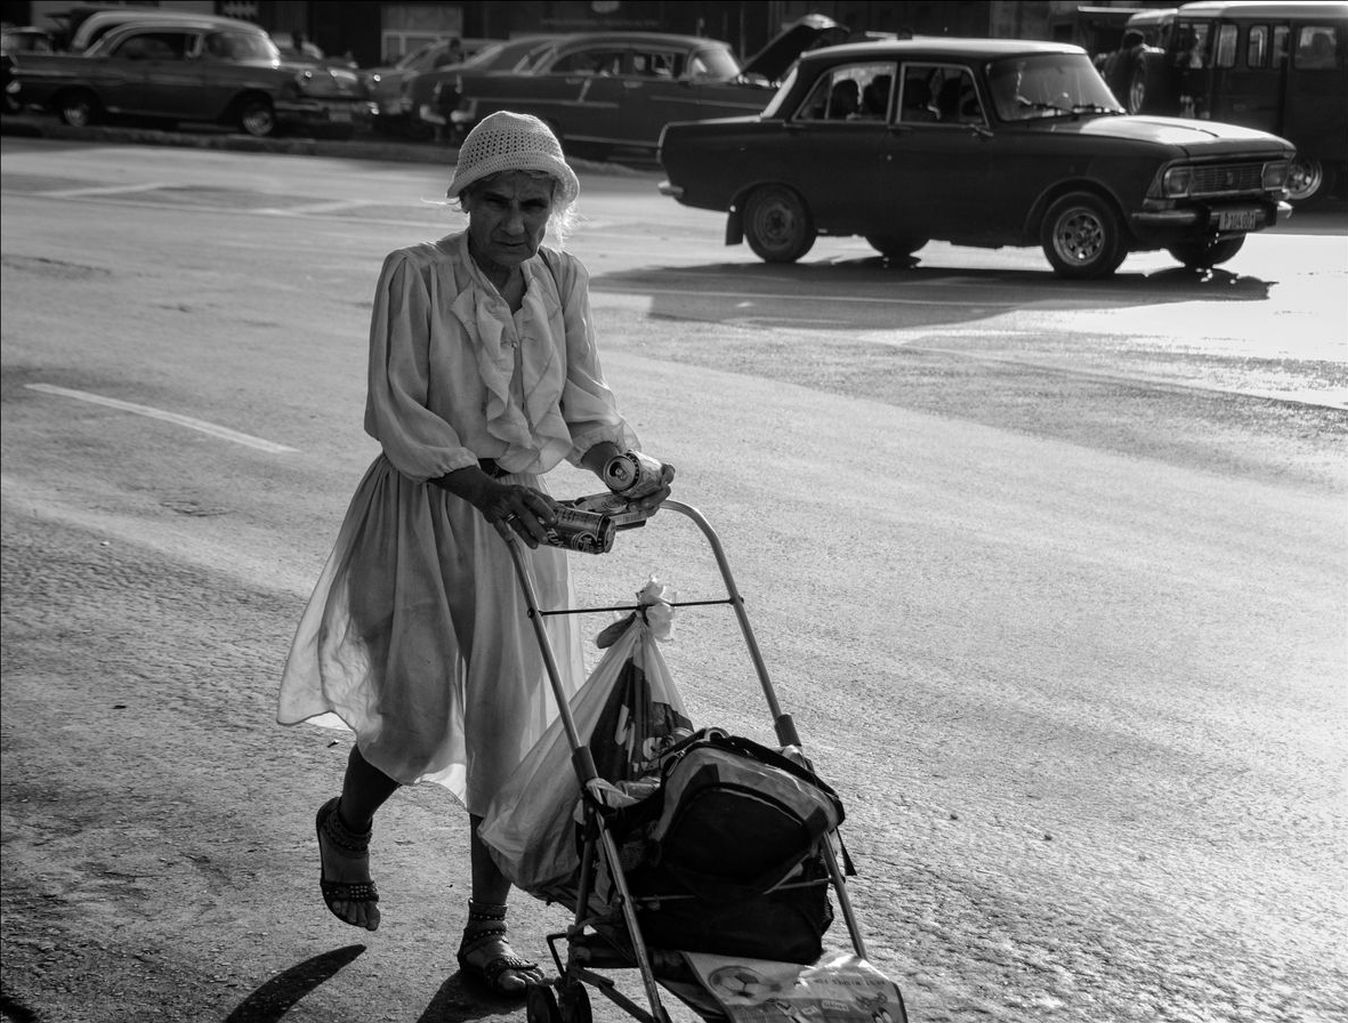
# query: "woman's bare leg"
[365,789]
[486,923]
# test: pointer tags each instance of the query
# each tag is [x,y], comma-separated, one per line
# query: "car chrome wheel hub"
[1080,237]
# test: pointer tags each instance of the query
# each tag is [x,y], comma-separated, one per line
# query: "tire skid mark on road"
[223,432]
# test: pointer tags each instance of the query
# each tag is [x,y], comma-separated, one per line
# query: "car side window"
[915,98]
[590,62]
[850,93]
[154,46]
[939,94]
[657,63]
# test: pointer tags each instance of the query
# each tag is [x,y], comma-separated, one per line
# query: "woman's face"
[508,216]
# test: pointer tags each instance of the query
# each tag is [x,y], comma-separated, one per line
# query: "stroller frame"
[571,1004]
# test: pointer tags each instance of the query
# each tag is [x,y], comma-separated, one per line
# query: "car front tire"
[79,109]
[257,118]
[778,225]
[1082,237]
[1205,255]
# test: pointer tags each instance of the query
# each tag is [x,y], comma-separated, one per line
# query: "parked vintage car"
[977,142]
[386,81]
[15,40]
[1279,67]
[407,102]
[25,39]
[615,90]
[190,68]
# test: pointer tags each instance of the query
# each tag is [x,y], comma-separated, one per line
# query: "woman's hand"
[650,504]
[520,510]
[599,456]
[511,508]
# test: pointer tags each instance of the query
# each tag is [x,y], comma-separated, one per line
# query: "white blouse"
[456,376]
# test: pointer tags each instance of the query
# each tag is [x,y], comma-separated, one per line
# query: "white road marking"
[79,193]
[332,206]
[171,417]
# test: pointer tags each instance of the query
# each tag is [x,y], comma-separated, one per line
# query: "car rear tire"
[257,118]
[79,108]
[895,246]
[1205,255]
[1308,181]
[1082,237]
[778,225]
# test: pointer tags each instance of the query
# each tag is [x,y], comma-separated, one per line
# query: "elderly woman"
[483,375]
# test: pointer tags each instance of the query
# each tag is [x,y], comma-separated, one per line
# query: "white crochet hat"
[506,141]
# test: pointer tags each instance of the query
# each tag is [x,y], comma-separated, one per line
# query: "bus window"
[1256,47]
[1280,46]
[1194,49]
[1226,46]
[1317,48]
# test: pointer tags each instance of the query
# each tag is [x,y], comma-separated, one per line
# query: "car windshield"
[509,55]
[1049,85]
[714,62]
[415,58]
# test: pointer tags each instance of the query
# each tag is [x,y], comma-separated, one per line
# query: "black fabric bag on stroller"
[726,856]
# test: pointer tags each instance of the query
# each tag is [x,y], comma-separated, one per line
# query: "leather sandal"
[491,928]
[330,826]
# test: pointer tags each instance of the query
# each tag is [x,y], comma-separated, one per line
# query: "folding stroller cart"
[616,902]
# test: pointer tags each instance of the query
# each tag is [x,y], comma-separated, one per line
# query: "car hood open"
[810,32]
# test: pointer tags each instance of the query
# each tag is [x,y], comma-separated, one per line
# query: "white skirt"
[418,637]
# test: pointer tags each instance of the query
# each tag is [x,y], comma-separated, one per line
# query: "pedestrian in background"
[483,375]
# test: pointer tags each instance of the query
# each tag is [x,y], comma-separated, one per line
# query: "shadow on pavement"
[275,998]
[456,1002]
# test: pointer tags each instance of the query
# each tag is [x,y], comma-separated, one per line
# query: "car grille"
[1225,178]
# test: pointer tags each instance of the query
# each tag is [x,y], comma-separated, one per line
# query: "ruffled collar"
[535,431]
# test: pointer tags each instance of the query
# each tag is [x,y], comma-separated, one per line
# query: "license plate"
[340,116]
[1239,220]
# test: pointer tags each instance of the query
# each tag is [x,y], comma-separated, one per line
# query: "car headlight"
[1275,174]
[1176,182]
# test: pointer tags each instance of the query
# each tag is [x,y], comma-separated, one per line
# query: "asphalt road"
[1052,578]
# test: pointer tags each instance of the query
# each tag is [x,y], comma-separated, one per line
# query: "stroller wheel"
[573,1002]
[541,1006]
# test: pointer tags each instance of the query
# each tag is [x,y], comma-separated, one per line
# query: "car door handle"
[633,85]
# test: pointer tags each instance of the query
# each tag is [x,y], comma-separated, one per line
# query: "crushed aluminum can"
[633,475]
[577,530]
[615,506]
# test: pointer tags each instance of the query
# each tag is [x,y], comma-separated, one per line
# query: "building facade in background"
[379,31]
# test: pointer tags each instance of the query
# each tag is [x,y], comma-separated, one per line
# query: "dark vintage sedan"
[182,67]
[420,105]
[977,142]
[607,91]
